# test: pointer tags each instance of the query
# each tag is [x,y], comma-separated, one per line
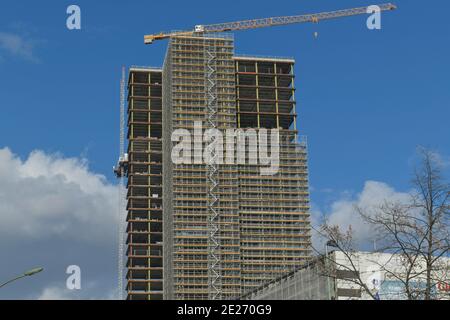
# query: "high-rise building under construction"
[209,229]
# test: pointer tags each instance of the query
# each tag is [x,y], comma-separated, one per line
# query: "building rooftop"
[145,68]
[263,58]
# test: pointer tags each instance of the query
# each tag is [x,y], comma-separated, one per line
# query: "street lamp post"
[25,274]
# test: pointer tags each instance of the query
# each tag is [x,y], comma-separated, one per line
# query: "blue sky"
[366,99]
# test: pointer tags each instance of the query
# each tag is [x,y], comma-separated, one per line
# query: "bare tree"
[344,242]
[433,205]
[415,233]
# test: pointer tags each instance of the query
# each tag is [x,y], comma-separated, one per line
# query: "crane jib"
[269,22]
[274,21]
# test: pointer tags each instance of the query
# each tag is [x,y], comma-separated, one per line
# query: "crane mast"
[121,171]
[267,22]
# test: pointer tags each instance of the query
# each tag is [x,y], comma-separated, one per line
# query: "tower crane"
[235,26]
[267,22]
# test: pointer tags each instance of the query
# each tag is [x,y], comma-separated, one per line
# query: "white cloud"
[342,212]
[56,212]
[440,160]
[47,195]
[17,45]
[57,292]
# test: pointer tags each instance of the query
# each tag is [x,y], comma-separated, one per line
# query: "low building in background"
[338,278]
[384,274]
